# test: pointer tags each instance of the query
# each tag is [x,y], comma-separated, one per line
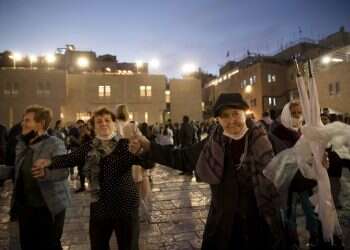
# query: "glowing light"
[189,68]
[50,58]
[83,62]
[248,89]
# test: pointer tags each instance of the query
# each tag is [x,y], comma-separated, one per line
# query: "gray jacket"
[54,186]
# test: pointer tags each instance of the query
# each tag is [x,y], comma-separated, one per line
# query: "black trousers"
[81,176]
[126,228]
[38,230]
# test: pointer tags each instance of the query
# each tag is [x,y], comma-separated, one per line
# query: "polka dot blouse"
[118,194]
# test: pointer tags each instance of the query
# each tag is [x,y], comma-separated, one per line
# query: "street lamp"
[326,60]
[154,63]
[139,65]
[32,59]
[50,59]
[83,62]
[189,68]
[16,57]
[248,89]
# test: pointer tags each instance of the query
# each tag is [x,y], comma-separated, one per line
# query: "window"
[11,88]
[39,88]
[272,101]
[43,88]
[83,116]
[108,90]
[203,106]
[251,80]
[101,90]
[148,90]
[47,88]
[7,89]
[254,79]
[15,88]
[131,116]
[167,96]
[146,117]
[104,90]
[142,90]
[337,88]
[330,89]
[244,83]
[271,78]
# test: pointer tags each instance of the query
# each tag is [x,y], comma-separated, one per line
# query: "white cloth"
[126,129]
[322,199]
[165,139]
[239,136]
[106,138]
[288,121]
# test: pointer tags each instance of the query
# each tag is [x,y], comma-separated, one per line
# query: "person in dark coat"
[186,132]
[288,132]
[3,145]
[245,207]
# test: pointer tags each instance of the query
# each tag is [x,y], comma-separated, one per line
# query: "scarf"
[99,149]
[211,161]
[239,136]
[288,121]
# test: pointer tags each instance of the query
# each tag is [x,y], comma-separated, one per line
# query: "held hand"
[38,169]
[139,144]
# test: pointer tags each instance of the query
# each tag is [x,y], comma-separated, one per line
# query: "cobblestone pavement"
[179,211]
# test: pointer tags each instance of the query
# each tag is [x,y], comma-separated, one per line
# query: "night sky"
[174,31]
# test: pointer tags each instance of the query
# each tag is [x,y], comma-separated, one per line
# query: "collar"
[239,136]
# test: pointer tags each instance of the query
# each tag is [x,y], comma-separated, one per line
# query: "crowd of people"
[113,155]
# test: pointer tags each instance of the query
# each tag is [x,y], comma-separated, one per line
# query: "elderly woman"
[244,211]
[115,199]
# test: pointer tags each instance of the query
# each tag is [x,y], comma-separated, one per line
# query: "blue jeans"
[312,222]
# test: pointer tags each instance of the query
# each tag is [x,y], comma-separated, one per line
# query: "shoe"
[80,190]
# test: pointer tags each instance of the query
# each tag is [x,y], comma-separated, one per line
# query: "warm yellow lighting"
[16,56]
[109,69]
[249,112]
[139,63]
[154,63]
[248,89]
[33,59]
[326,59]
[337,60]
[189,68]
[83,62]
[50,58]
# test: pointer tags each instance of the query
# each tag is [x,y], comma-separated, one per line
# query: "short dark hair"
[122,112]
[102,111]
[41,114]
[185,118]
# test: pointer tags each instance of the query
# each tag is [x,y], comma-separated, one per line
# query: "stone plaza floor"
[177,218]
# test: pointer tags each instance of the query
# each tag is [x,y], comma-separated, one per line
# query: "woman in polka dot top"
[115,199]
